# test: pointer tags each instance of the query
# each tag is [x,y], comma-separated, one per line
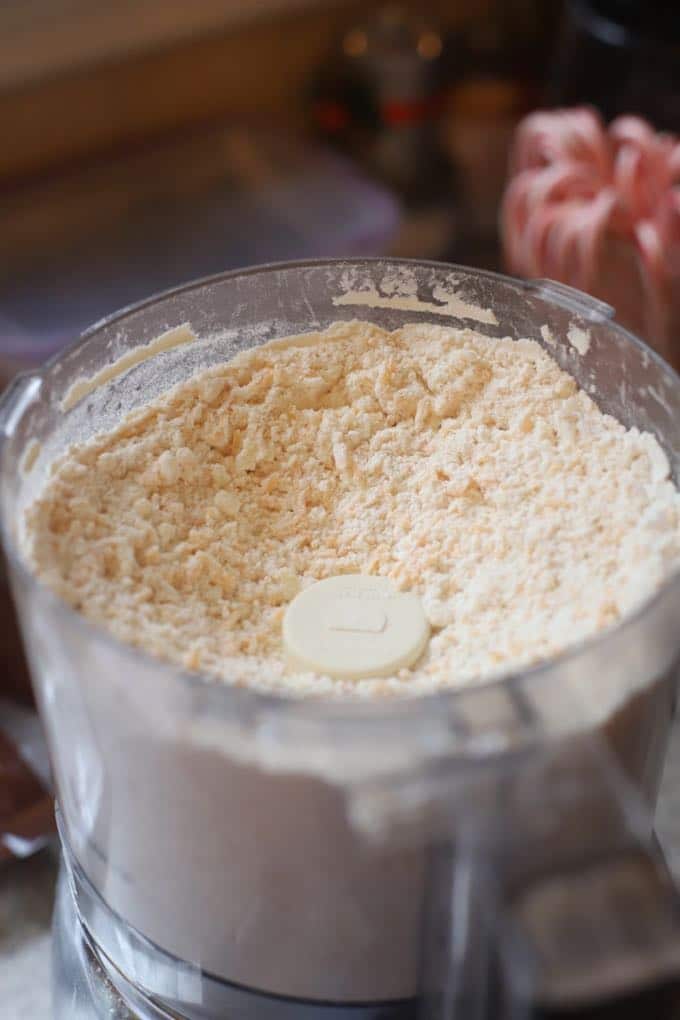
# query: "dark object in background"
[26,807]
[380,97]
[14,678]
[622,56]
[511,42]
[496,64]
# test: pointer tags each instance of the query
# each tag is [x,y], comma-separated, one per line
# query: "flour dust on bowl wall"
[289,532]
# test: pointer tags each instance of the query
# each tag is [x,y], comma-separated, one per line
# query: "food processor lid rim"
[328,709]
[561,294]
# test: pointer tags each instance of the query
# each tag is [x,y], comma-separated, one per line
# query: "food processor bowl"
[210,849]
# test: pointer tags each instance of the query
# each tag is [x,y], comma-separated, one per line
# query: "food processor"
[482,852]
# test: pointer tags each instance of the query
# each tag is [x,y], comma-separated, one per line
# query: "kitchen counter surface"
[26,891]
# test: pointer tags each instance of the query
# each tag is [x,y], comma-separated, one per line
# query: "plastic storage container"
[218,839]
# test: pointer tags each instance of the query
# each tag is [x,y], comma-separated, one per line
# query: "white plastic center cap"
[352,626]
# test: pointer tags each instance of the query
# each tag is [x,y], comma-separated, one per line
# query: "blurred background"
[148,142]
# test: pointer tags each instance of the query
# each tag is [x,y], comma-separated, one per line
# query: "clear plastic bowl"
[207,826]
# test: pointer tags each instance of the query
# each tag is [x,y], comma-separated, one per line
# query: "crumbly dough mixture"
[468,469]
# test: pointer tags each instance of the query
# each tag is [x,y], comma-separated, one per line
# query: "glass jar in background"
[379,97]
[497,63]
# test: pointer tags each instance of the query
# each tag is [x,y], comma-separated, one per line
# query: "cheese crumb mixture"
[470,470]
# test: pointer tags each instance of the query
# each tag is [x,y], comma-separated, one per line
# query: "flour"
[33,450]
[579,339]
[451,305]
[470,470]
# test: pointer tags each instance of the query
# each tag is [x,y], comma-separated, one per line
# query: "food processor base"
[88,985]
